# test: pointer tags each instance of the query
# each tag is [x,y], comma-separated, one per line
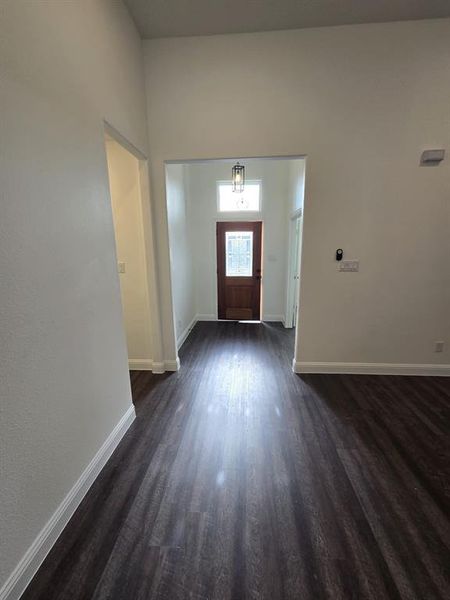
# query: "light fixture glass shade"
[238,177]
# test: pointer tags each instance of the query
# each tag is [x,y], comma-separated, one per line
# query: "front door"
[239,270]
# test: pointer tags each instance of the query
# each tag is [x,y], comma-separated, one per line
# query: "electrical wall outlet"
[348,266]
[439,346]
[121,267]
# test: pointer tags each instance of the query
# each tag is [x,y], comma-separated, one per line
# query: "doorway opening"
[126,172]
[231,253]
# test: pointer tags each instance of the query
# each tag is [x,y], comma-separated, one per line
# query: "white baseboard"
[172,365]
[36,553]
[371,368]
[273,318]
[268,318]
[146,364]
[140,364]
[155,367]
[186,332]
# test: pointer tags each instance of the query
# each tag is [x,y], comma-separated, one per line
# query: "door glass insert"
[239,253]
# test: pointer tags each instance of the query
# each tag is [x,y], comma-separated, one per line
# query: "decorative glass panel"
[239,253]
[248,200]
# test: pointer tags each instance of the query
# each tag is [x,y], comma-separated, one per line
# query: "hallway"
[241,480]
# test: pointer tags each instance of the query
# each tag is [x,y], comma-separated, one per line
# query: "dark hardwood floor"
[240,480]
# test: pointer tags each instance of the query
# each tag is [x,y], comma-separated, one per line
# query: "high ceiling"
[166,18]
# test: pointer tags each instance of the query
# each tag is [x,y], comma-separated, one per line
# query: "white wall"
[64,67]
[123,169]
[181,251]
[361,102]
[202,181]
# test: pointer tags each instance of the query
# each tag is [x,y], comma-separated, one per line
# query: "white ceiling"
[166,18]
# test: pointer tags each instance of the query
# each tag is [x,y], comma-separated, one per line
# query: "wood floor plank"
[240,480]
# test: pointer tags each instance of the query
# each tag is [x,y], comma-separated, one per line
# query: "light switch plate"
[348,266]
[121,267]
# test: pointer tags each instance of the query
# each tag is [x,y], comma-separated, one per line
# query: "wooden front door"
[239,270]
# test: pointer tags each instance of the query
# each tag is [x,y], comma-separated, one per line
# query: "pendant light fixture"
[238,178]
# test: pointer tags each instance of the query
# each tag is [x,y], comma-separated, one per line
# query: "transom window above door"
[247,201]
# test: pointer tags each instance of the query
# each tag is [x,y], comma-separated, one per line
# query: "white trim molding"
[25,570]
[172,365]
[273,318]
[182,338]
[371,368]
[269,318]
[146,364]
[140,364]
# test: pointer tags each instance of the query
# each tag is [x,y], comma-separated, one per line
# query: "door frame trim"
[290,287]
